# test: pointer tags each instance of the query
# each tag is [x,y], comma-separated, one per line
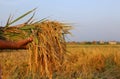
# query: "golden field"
[81,62]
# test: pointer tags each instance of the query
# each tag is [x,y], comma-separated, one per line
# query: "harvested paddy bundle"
[46,52]
[48,48]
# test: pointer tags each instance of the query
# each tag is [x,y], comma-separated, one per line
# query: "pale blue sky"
[91,19]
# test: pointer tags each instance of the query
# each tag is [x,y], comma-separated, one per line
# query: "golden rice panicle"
[48,48]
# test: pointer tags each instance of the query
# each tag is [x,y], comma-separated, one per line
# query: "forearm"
[14,45]
[7,44]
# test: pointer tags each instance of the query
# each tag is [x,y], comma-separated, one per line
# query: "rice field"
[81,62]
[49,57]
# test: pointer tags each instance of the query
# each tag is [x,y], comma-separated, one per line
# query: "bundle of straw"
[46,52]
[48,48]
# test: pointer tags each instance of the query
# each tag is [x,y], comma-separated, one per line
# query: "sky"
[91,19]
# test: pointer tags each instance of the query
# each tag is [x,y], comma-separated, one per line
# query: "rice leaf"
[28,27]
[42,20]
[22,16]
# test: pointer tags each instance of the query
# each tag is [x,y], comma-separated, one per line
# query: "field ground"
[81,62]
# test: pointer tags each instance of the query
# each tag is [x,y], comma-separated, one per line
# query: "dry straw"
[46,52]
